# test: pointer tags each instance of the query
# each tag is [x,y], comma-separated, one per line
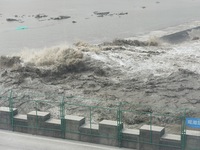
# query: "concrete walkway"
[18,141]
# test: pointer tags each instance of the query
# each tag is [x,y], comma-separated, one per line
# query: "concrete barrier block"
[109,128]
[20,123]
[52,128]
[74,122]
[150,137]
[192,140]
[38,116]
[5,111]
[5,117]
[170,142]
[90,133]
[130,138]
[36,120]
[109,132]
[72,125]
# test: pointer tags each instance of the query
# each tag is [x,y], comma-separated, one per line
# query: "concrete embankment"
[107,132]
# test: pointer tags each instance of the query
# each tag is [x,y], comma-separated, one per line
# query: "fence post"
[11,109]
[119,128]
[151,140]
[183,131]
[62,117]
[90,117]
[36,108]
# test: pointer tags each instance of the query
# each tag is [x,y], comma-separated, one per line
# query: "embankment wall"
[107,132]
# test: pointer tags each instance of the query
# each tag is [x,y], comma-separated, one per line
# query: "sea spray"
[61,54]
[194,34]
[52,56]
[128,42]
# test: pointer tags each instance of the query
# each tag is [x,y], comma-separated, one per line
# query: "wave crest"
[59,55]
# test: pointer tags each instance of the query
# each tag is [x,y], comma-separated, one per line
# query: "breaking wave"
[52,56]
[194,34]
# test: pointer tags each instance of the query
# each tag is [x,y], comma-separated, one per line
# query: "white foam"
[61,54]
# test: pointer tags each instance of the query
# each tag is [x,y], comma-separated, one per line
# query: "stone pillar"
[192,140]
[6,118]
[150,137]
[36,121]
[72,125]
[109,132]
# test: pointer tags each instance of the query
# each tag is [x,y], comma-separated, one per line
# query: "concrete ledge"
[21,117]
[21,123]
[90,134]
[109,132]
[172,137]
[5,117]
[72,125]
[130,138]
[54,121]
[42,116]
[94,129]
[5,112]
[109,128]
[193,133]
[192,139]
[150,137]
[36,120]
[170,142]
[108,122]
[52,128]
[155,129]
[73,122]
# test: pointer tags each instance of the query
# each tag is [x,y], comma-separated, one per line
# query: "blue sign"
[193,122]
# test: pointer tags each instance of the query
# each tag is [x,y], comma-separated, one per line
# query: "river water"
[165,78]
[137,17]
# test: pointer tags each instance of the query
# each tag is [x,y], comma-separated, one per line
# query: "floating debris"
[22,28]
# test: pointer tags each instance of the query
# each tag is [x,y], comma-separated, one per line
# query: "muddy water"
[126,18]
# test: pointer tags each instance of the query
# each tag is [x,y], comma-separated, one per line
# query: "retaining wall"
[106,132]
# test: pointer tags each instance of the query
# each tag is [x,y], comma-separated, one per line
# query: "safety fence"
[57,116]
